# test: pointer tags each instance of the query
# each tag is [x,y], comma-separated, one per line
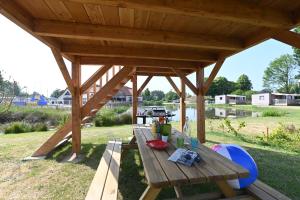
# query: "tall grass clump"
[272,113]
[17,127]
[109,117]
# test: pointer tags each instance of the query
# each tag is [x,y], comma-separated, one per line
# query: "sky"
[31,63]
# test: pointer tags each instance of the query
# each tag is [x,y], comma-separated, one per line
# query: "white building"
[230,99]
[278,99]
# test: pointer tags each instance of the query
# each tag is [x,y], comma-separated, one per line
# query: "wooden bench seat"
[262,191]
[105,182]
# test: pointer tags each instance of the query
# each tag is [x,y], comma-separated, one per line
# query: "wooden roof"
[153,34]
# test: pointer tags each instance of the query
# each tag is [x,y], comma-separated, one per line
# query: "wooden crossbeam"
[212,75]
[233,11]
[173,85]
[135,52]
[186,80]
[123,34]
[288,37]
[63,68]
[144,85]
[96,76]
[171,74]
[139,62]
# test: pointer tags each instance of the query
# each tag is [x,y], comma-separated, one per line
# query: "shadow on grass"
[92,153]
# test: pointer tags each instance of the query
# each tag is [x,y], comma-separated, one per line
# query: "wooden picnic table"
[161,173]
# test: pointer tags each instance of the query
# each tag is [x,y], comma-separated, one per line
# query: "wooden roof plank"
[133,35]
[232,10]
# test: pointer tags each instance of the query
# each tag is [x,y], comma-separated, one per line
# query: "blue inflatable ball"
[240,156]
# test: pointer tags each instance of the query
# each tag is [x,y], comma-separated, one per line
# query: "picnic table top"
[161,172]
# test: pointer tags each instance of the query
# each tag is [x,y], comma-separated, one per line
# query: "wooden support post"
[200,105]
[134,99]
[94,88]
[182,105]
[100,82]
[113,70]
[76,104]
[107,77]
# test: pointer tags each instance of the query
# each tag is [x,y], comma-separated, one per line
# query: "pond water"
[211,113]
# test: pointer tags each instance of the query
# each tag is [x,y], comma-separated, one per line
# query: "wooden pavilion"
[170,38]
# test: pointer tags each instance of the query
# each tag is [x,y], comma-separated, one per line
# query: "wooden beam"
[96,76]
[139,62]
[123,34]
[134,52]
[233,11]
[182,106]
[200,103]
[156,74]
[212,75]
[162,70]
[76,104]
[63,68]
[134,99]
[288,37]
[173,85]
[186,80]
[144,85]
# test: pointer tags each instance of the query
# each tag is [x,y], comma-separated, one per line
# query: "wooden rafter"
[233,10]
[186,80]
[288,37]
[139,62]
[212,75]
[173,85]
[96,76]
[134,52]
[144,85]
[122,34]
[63,68]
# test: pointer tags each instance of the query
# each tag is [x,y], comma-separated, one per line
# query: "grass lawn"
[51,179]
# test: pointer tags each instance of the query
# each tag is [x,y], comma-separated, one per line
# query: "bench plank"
[98,183]
[111,184]
[265,192]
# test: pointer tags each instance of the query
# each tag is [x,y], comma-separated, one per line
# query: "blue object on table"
[194,143]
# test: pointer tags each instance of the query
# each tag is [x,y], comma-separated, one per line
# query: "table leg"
[226,189]
[150,193]
[178,192]
[144,120]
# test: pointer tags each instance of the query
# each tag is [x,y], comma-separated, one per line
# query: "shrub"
[40,127]
[121,109]
[108,117]
[272,113]
[18,127]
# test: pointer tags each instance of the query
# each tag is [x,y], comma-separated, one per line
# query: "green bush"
[272,113]
[39,127]
[18,127]
[108,117]
[121,109]
[152,103]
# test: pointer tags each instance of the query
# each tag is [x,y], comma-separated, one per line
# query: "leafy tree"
[280,74]
[296,50]
[243,83]
[157,95]
[170,96]
[146,95]
[221,86]
[56,93]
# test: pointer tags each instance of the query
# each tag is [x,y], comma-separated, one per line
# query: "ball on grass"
[240,156]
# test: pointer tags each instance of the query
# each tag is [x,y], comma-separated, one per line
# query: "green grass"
[51,179]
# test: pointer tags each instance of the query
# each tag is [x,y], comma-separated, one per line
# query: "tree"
[170,96]
[146,95]
[280,74]
[56,93]
[221,86]
[243,83]
[157,95]
[296,50]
